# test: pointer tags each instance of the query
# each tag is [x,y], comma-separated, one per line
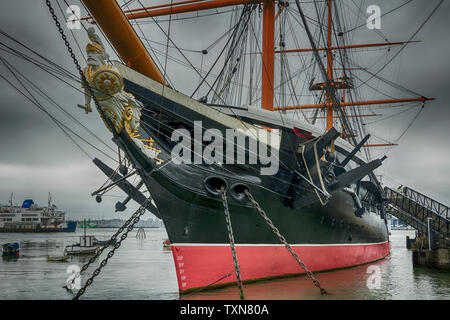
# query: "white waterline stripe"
[272,245]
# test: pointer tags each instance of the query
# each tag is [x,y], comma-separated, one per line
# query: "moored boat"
[269,173]
[86,245]
[31,217]
[63,258]
[10,249]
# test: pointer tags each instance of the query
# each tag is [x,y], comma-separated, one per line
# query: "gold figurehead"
[107,84]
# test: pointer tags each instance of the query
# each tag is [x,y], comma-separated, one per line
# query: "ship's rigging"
[237,77]
[284,57]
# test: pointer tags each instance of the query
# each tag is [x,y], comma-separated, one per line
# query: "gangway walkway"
[419,211]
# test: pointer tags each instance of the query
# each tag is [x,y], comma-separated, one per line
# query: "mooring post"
[429,233]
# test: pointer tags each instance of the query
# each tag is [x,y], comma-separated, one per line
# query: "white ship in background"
[31,217]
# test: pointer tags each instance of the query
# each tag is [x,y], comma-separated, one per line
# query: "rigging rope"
[52,101]
[404,46]
[60,124]
[384,14]
[169,39]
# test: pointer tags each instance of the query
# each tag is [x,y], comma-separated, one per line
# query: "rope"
[318,170]
[45,95]
[406,43]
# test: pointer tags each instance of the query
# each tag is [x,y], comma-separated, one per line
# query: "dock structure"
[430,218]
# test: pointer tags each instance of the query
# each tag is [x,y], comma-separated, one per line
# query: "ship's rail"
[416,209]
[427,202]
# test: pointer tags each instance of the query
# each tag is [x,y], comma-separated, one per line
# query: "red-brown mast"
[123,38]
[268,48]
[329,101]
[106,12]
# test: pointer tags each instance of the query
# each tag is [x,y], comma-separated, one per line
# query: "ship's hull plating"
[325,237]
[211,265]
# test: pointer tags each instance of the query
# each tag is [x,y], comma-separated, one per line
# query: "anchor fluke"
[120,206]
[132,191]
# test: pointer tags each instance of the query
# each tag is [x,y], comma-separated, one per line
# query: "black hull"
[193,213]
[193,217]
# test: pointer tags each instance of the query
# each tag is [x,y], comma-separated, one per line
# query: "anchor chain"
[231,237]
[100,251]
[77,65]
[283,240]
[129,224]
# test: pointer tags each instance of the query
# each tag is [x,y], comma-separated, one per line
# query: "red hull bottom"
[203,265]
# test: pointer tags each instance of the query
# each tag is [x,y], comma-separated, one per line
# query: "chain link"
[100,251]
[129,224]
[283,240]
[136,216]
[231,237]
[80,71]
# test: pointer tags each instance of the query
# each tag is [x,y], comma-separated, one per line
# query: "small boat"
[87,245]
[58,258]
[10,249]
[166,244]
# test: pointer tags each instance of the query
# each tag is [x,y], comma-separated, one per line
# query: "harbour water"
[142,269]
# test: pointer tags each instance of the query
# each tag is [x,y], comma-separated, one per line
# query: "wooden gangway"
[419,211]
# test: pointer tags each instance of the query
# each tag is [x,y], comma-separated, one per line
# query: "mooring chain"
[283,240]
[77,64]
[231,237]
[129,225]
[100,251]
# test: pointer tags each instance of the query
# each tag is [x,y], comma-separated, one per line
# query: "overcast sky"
[37,158]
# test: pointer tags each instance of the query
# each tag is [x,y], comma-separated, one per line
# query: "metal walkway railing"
[415,209]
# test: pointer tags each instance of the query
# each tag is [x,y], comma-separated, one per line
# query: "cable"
[42,108]
[404,46]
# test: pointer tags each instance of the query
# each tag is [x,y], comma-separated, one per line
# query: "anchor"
[132,191]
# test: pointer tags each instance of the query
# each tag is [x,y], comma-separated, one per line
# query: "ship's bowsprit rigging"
[293,76]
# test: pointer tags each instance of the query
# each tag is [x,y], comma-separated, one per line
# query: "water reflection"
[142,269]
[398,280]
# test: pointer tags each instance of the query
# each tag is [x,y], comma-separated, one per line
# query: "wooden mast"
[123,38]
[268,48]
[355,103]
[329,101]
[98,10]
